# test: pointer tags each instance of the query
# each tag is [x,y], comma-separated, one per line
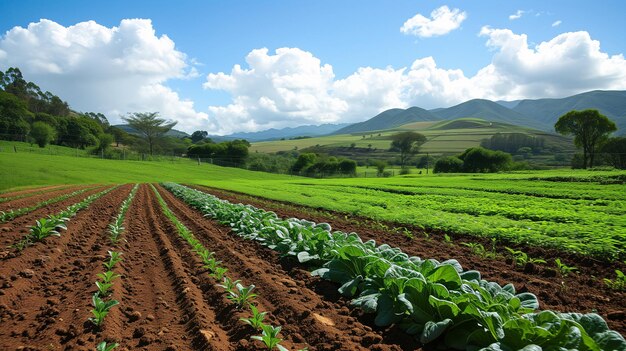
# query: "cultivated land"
[168,299]
[447,137]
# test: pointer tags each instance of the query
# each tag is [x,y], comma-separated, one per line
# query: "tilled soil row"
[13,201]
[14,230]
[582,292]
[310,310]
[45,294]
[28,191]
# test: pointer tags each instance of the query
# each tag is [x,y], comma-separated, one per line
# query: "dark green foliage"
[42,133]
[149,126]
[303,162]
[589,128]
[14,116]
[347,167]
[408,144]
[229,153]
[450,164]
[481,160]
[512,142]
[199,135]
[104,141]
[614,151]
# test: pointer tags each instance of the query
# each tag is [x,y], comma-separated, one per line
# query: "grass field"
[531,207]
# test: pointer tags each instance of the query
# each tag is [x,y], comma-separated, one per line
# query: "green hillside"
[489,110]
[610,103]
[390,119]
[445,137]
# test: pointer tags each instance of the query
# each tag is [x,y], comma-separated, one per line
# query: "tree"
[615,152]
[589,129]
[199,135]
[380,166]
[449,164]
[149,126]
[303,162]
[478,159]
[408,144]
[104,141]
[42,133]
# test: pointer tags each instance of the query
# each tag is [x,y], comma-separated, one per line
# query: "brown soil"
[29,191]
[38,197]
[13,231]
[577,292]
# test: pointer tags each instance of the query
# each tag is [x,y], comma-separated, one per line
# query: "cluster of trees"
[229,153]
[475,160]
[311,164]
[514,143]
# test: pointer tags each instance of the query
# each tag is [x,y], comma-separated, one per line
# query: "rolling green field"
[443,137]
[578,211]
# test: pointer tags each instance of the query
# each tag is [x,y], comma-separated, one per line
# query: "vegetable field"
[167,267]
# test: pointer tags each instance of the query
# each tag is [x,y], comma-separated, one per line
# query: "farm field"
[168,295]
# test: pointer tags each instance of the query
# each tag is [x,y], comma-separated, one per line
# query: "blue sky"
[210,37]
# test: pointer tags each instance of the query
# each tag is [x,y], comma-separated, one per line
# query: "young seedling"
[521,258]
[101,309]
[103,346]
[241,295]
[256,321]
[447,238]
[104,289]
[218,273]
[269,337]
[563,268]
[229,285]
[44,228]
[108,276]
[619,283]
[114,258]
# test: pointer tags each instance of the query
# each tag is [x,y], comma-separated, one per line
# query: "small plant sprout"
[241,295]
[114,258]
[100,309]
[108,276]
[447,238]
[103,346]
[44,228]
[521,258]
[269,337]
[218,273]
[104,289]
[563,268]
[229,285]
[619,283]
[256,321]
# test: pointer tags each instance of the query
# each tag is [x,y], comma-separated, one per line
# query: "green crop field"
[443,137]
[544,208]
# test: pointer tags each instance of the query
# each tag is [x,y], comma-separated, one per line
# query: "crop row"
[29,194]
[51,225]
[12,214]
[242,296]
[587,229]
[438,302]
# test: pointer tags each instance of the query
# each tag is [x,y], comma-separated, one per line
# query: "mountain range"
[540,114]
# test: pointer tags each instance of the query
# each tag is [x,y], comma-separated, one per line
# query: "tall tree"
[199,135]
[149,126]
[589,129]
[408,144]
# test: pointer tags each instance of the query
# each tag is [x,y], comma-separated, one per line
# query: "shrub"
[450,164]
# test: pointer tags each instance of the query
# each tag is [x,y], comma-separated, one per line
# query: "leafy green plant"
[256,321]
[104,346]
[219,272]
[107,276]
[229,284]
[44,228]
[563,268]
[479,249]
[101,309]
[447,238]
[619,283]
[521,258]
[114,258]
[104,289]
[269,337]
[241,295]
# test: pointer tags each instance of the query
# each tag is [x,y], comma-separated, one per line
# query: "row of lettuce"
[437,302]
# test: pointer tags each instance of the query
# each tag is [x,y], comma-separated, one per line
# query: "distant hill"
[289,132]
[546,112]
[173,132]
[389,119]
[488,110]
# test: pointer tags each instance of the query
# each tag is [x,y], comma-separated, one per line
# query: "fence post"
[14,148]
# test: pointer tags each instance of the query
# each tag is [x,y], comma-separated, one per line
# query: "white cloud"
[442,22]
[293,87]
[556,23]
[517,15]
[110,70]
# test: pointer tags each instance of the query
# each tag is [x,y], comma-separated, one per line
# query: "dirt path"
[45,294]
[578,292]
